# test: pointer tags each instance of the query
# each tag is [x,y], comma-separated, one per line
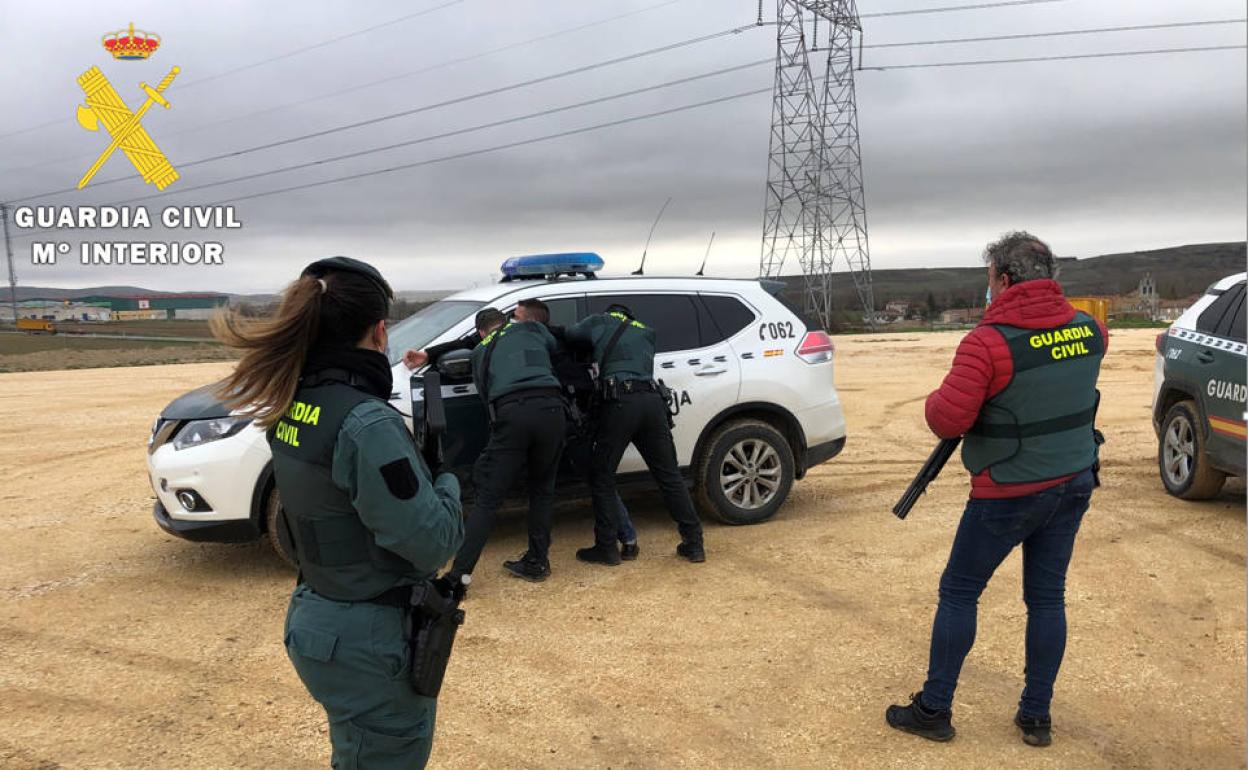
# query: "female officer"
[364,517]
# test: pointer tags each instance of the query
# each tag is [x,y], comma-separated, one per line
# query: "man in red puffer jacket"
[1022,393]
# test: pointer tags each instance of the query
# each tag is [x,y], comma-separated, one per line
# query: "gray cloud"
[1099,155]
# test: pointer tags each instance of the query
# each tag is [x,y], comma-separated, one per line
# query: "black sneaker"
[694,552]
[1037,731]
[528,568]
[629,551]
[607,555]
[917,719]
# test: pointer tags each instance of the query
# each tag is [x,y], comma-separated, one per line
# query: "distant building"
[962,315]
[162,307]
[897,307]
[1149,302]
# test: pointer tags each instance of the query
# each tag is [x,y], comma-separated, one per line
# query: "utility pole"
[8,247]
[815,207]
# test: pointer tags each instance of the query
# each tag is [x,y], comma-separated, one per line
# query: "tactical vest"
[338,556]
[1040,426]
[626,349]
[517,360]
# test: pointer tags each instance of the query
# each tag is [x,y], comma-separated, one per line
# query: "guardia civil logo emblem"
[123,126]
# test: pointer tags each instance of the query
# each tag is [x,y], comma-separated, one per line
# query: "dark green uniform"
[635,413]
[367,520]
[512,371]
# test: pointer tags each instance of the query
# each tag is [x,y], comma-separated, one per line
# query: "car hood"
[199,404]
[202,404]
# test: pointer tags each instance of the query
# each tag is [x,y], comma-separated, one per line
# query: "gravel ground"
[122,648]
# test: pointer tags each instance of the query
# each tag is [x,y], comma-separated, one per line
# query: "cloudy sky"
[1095,155]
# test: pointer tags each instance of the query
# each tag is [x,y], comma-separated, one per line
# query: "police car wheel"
[1185,469]
[273,525]
[745,473]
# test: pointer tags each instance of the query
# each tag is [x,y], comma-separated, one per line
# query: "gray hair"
[1022,256]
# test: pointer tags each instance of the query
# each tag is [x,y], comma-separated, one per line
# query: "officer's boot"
[529,568]
[630,551]
[607,555]
[694,552]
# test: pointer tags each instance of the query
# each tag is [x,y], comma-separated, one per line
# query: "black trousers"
[527,435]
[639,419]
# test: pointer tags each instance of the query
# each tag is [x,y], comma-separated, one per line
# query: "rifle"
[428,432]
[926,475]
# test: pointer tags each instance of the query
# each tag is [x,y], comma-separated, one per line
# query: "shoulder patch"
[401,478]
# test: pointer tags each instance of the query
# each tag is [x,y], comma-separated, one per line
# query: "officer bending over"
[630,409]
[512,370]
[578,386]
[364,518]
[1023,391]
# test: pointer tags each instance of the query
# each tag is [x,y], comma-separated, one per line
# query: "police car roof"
[1227,282]
[497,292]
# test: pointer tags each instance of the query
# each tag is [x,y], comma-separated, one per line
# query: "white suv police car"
[752,384]
[1200,391]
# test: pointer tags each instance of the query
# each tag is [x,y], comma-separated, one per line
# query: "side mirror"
[456,365]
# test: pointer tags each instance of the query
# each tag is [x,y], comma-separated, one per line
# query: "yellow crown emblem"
[131,45]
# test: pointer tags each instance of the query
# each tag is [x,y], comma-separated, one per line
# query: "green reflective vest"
[633,355]
[520,360]
[1040,426]
[338,556]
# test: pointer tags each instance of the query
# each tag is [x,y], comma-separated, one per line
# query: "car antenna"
[707,255]
[642,269]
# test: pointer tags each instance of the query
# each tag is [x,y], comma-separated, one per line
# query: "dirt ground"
[44,352]
[121,647]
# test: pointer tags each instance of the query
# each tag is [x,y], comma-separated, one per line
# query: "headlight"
[198,432]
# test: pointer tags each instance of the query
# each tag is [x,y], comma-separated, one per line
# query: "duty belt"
[639,386]
[525,395]
[398,596]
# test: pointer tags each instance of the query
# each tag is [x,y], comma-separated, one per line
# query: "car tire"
[1181,458]
[275,527]
[755,450]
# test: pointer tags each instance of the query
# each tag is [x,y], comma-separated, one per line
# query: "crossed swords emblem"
[104,105]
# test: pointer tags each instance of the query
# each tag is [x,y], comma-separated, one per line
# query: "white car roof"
[494,292]
[1228,282]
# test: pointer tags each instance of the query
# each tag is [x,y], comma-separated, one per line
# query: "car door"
[691,357]
[1218,361]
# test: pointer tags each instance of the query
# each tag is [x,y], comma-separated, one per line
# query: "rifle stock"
[926,475]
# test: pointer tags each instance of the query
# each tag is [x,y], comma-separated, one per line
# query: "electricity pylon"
[815,209]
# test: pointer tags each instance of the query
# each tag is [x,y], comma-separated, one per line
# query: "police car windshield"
[417,331]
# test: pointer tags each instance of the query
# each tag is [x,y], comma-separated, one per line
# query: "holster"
[435,618]
[609,389]
[669,401]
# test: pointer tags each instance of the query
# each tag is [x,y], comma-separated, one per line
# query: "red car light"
[816,348]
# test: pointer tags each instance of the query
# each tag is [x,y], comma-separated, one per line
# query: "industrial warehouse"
[147,307]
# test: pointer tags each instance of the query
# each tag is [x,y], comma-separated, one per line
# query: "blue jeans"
[1045,524]
[627,533]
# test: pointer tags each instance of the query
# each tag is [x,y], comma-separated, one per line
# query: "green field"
[139,328]
[20,344]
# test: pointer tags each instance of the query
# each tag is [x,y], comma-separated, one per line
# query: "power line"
[322,44]
[1054,58]
[448,134]
[438,105]
[476,152]
[648,116]
[357,87]
[976,7]
[1091,31]
[279,57]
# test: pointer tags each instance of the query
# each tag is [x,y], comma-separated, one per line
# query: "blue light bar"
[584,263]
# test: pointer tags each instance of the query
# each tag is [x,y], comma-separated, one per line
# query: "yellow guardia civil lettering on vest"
[299,411]
[1064,343]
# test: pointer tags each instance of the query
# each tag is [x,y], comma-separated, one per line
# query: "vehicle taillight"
[816,348]
[1161,342]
